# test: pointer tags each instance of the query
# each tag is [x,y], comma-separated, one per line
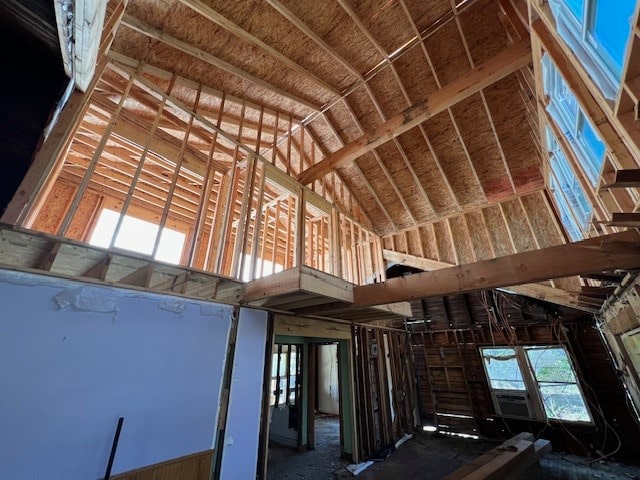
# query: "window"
[573,206]
[542,376]
[263,268]
[597,31]
[631,343]
[286,376]
[502,369]
[571,120]
[556,380]
[137,235]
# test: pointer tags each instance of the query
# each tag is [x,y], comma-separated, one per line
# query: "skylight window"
[597,31]
[137,235]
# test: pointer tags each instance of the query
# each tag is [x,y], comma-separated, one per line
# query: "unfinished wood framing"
[196,170]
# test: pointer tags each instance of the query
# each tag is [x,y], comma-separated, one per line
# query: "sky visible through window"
[137,235]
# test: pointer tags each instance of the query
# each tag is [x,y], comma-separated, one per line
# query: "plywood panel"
[498,232]
[479,235]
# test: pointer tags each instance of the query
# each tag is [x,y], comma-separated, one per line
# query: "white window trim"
[576,35]
[571,123]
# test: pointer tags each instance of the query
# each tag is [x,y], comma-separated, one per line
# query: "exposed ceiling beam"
[531,290]
[217,18]
[80,25]
[498,67]
[212,60]
[609,252]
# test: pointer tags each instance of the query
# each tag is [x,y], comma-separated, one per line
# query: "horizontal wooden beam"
[624,220]
[79,32]
[624,179]
[531,290]
[498,67]
[616,251]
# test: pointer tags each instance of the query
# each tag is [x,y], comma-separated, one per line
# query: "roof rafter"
[496,68]
[219,19]
[207,57]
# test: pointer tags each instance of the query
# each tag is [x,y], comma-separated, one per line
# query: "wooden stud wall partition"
[385,393]
[156,147]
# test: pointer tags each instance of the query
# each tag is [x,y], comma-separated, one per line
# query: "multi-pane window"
[286,377]
[137,235]
[571,120]
[556,380]
[598,33]
[543,375]
[573,206]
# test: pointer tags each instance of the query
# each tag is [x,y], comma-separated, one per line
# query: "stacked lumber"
[514,459]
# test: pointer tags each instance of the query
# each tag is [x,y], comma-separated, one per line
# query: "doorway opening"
[324,421]
[310,414]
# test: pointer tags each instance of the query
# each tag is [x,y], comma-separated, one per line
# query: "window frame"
[138,213]
[572,121]
[576,382]
[582,32]
[532,385]
[290,394]
[571,202]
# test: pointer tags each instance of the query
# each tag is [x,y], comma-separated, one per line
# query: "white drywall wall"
[75,357]
[240,450]
[328,394]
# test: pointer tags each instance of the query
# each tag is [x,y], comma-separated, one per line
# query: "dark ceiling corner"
[32,80]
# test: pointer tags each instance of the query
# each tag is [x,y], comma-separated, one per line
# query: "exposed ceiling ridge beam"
[496,68]
[609,252]
[209,58]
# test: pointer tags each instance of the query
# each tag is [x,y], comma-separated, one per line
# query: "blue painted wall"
[76,357]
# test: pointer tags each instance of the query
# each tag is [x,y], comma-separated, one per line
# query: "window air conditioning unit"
[513,405]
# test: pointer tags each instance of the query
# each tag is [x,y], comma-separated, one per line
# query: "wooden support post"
[299,254]
[242,232]
[205,196]
[258,232]
[217,225]
[335,243]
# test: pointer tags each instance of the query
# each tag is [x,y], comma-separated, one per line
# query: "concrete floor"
[426,456]
[319,464]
